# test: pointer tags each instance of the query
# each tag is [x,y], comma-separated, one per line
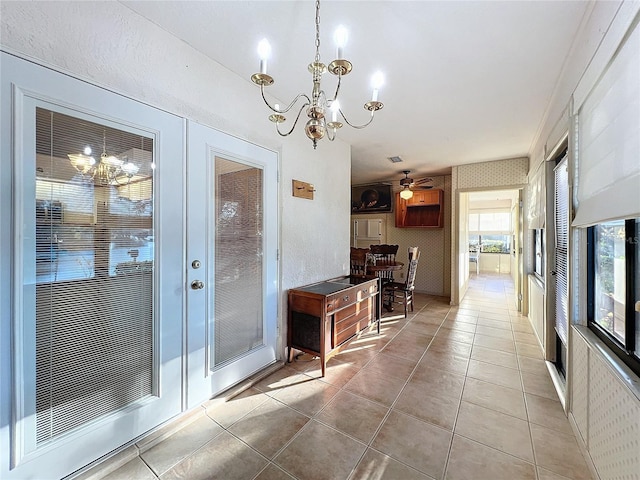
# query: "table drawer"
[351,326]
[342,299]
[358,320]
[365,291]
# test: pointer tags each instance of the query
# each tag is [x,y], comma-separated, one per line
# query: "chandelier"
[318,103]
[108,170]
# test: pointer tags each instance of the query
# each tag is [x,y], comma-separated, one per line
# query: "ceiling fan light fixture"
[406,193]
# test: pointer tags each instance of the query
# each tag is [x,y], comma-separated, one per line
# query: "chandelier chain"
[317,31]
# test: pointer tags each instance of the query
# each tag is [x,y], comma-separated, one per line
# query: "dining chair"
[384,253]
[358,262]
[396,292]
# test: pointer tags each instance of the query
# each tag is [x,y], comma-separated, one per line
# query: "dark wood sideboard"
[325,316]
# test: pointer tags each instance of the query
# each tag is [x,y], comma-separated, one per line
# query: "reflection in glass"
[610,277]
[93,234]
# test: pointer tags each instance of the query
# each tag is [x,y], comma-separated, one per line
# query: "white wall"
[463,246]
[108,45]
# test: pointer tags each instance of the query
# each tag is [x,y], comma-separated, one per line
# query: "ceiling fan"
[408,185]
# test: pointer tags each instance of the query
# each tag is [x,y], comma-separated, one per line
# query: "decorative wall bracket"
[302,189]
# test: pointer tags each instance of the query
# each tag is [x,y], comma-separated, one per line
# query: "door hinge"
[520,296]
[278,254]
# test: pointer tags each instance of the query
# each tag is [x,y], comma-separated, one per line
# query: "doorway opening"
[491,238]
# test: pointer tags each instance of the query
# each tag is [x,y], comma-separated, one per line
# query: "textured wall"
[487,175]
[536,307]
[434,267]
[606,412]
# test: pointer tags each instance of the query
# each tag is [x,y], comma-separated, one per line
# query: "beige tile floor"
[448,393]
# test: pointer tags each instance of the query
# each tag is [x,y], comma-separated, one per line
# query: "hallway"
[455,393]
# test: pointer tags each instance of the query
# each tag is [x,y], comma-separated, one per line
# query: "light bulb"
[406,194]
[335,106]
[87,150]
[264,52]
[340,36]
[276,107]
[377,80]
[130,168]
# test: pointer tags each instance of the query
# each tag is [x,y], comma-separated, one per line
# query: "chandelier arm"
[356,126]
[284,110]
[335,95]
[294,123]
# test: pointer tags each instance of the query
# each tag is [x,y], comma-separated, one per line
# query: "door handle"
[197,285]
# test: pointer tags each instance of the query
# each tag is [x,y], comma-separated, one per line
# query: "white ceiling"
[466,81]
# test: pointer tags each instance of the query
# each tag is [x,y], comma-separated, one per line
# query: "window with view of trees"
[490,232]
[614,286]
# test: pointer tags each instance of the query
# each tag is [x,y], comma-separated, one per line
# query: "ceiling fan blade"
[423,187]
[423,180]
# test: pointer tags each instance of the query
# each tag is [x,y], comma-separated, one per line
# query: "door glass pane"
[238,302]
[93,231]
[610,278]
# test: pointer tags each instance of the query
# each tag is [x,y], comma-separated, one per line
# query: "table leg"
[290,355]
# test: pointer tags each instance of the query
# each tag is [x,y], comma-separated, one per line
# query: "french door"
[231,260]
[561,258]
[91,299]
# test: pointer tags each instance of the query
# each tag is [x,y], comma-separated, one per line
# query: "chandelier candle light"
[316,105]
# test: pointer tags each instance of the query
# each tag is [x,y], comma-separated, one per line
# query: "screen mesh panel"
[238,322]
[94,270]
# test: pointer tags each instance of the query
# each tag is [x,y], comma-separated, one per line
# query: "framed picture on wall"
[373,198]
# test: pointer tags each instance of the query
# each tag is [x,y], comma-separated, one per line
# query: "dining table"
[381,266]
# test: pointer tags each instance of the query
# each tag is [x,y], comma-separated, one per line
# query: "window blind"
[608,171]
[94,258]
[561,215]
[490,222]
[536,205]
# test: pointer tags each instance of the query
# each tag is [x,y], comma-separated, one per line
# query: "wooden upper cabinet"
[424,210]
[426,197]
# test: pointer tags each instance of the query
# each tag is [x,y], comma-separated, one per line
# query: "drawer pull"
[365,291]
[330,305]
[345,298]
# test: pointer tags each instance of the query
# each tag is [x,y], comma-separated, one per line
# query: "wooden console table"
[325,316]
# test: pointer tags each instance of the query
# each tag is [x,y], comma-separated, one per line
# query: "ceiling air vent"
[395,159]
